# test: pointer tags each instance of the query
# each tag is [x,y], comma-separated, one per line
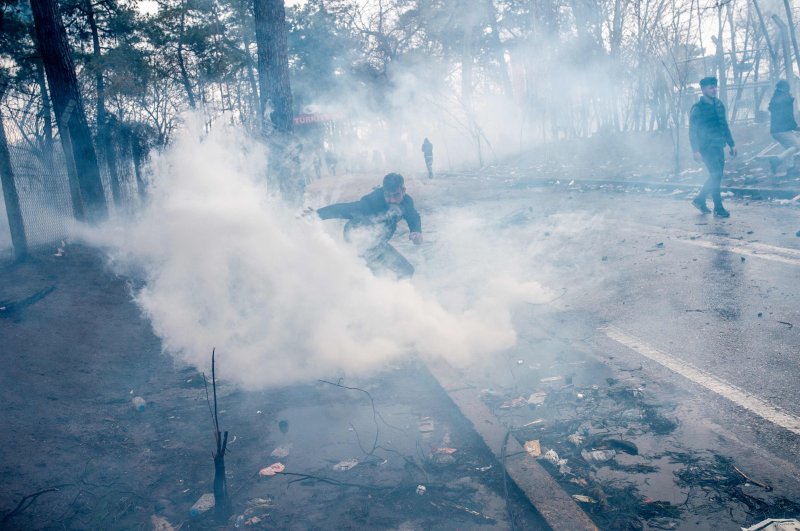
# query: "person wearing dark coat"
[708,135]
[372,221]
[782,125]
[427,152]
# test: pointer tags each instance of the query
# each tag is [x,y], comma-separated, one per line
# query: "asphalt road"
[707,305]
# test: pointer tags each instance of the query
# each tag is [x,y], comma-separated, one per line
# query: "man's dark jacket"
[781,113]
[372,209]
[708,127]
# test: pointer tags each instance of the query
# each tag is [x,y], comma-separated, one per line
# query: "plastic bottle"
[203,504]
[139,403]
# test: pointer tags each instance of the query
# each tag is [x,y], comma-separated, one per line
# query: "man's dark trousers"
[714,159]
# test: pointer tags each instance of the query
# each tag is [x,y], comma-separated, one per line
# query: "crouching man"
[372,221]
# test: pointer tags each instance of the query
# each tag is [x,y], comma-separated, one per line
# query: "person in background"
[372,221]
[782,125]
[708,135]
[427,151]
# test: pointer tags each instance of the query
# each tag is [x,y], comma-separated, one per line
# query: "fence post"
[15,221]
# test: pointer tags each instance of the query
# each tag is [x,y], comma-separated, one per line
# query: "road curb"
[557,507]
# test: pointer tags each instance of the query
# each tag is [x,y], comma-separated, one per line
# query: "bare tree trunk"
[505,80]
[273,76]
[273,61]
[721,70]
[787,58]
[47,113]
[15,221]
[773,56]
[103,127]
[68,104]
[792,33]
[72,176]
[187,85]
[251,79]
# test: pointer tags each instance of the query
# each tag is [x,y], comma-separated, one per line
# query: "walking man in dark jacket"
[708,135]
[427,151]
[782,124]
[372,221]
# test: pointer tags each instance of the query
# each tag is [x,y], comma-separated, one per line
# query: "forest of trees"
[106,79]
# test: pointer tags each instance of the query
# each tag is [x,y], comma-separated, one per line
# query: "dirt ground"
[78,455]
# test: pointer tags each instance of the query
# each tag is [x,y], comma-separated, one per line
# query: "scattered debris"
[583,499]
[283,425]
[537,398]
[533,423]
[775,524]
[161,524]
[552,456]
[579,481]
[533,448]
[514,403]
[421,489]
[203,504]
[551,379]
[760,314]
[484,468]
[622,446]
[426,425]
[790,325]
[576,439]
[347,464]
[139,403]
[598,456]
[447,451]
[272,469]
[281,451]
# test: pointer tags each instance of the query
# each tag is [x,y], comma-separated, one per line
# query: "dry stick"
[374,415]
[221,501]
[304,477]
[753,481]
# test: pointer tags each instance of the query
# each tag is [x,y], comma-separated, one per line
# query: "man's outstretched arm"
[340,210]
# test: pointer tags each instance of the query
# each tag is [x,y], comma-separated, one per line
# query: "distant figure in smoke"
[317,166]
[782,124]
[427,151]
[330,161]
[708,134]
[373,221]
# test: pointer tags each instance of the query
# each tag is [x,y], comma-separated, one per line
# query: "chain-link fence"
[43,186]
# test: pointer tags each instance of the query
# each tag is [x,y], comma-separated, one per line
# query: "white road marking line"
[743,249]
[784,255]
[738,396]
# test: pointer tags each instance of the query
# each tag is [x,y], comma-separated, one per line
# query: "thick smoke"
[281,296]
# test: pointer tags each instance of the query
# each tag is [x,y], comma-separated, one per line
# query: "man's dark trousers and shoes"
[701,205]
[714,159]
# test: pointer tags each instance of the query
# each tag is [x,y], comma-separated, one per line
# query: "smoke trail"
[281,297]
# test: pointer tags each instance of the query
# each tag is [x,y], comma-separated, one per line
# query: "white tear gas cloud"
[282,297]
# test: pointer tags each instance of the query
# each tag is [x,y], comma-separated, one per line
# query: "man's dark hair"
[782,86]
[393,182]
[706,81]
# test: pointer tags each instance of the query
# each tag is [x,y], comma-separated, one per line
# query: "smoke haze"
[281,297]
